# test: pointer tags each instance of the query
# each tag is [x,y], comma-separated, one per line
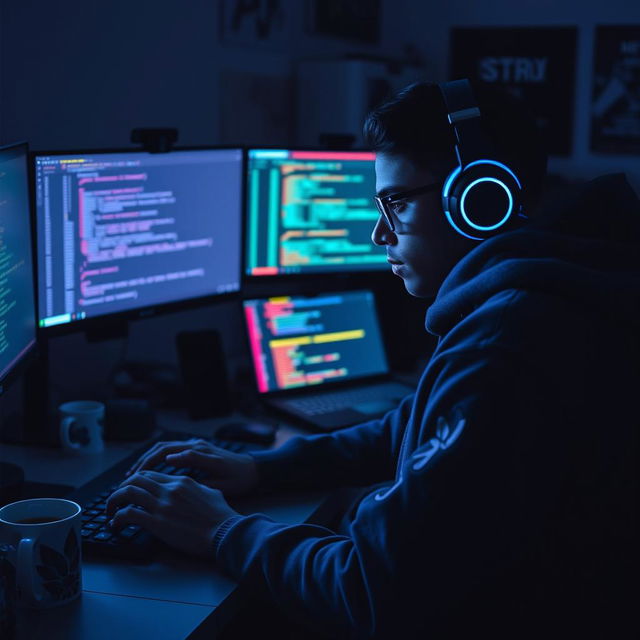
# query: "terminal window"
[300,341]
[123,231]
[310,211]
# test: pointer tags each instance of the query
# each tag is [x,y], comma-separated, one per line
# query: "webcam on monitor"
[155,140]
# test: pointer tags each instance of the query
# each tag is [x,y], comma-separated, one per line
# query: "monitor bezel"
[334,274]
[110,323]
[30,354]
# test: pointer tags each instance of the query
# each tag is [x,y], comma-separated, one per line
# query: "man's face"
[424,247]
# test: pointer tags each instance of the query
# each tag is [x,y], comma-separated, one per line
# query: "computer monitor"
[310,212]
[302,341]
[17,289]
[130,232]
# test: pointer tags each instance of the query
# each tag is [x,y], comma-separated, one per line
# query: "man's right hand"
[235,474]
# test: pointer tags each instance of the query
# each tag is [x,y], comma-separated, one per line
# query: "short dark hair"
[414,123]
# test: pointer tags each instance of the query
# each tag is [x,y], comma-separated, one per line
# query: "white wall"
[83,73]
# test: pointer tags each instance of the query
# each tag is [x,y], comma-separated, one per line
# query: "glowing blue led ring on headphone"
[493,226]
[452,179]
[497,164]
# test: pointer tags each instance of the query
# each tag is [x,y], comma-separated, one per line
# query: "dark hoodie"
[505,503]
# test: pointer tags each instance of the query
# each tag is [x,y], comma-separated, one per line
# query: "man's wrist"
[221,531]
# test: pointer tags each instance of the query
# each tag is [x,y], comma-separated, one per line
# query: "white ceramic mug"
[81,426]
[43,538]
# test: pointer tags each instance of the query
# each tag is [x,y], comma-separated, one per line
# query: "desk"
[174,596]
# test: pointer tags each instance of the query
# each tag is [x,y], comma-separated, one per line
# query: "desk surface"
[171,597]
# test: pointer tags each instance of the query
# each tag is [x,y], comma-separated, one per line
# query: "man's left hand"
[176,509]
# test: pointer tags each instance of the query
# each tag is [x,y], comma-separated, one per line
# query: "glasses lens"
[384,213]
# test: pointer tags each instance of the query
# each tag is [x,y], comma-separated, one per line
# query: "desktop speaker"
[204,374]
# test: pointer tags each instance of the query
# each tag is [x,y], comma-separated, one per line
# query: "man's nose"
[381,234]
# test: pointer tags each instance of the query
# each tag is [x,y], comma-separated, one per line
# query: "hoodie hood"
[585,249]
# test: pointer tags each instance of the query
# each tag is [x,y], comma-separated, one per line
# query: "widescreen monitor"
[17,289]
[310,212]
[120,232]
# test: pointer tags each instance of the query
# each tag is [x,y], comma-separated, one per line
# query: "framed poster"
[534,63]
[357,20]
[615,106]
[260,23]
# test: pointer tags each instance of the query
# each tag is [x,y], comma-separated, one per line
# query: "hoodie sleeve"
[358,456]
[422,546]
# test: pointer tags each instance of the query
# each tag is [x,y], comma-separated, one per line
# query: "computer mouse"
[247,432]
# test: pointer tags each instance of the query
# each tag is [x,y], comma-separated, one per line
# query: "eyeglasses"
[385,204]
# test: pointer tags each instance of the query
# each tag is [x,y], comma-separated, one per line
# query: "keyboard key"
[101,518]
[86,533]
[91,525]
[129,532]
[103,535]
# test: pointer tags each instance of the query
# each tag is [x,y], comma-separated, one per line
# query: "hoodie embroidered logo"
[445,437]
[443,440]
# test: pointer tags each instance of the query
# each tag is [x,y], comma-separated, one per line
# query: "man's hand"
[235,474]
[175,509]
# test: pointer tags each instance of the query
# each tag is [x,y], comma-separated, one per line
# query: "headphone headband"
[465,117]
[481,196]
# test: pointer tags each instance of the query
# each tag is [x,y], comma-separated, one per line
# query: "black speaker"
[204,373]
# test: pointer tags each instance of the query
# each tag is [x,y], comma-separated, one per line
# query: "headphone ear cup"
[482,200]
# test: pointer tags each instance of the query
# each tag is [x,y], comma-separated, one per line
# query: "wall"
[82,74]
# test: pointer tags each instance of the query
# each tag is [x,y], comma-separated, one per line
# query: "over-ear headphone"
[482,196]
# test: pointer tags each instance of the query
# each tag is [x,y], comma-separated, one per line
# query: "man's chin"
[419,289]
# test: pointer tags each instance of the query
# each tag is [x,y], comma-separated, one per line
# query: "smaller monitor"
[310,212]
[17,289]
[303,341]
[127,232]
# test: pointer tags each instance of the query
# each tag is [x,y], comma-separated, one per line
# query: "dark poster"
[535,63]
[615,110]
[357,20]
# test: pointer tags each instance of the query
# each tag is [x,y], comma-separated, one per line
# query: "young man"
[499,499]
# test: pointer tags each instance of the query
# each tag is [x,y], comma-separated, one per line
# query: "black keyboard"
[131,543]
[330,402]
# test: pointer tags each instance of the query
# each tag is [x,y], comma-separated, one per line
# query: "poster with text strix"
[536,64]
